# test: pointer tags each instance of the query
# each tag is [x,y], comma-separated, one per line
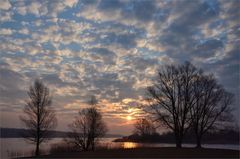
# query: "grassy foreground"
[164,152]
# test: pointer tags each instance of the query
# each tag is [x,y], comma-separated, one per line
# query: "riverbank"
[165,152]
[220,137]
[151,141]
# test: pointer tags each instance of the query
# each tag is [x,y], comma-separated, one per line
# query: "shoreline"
[121,140]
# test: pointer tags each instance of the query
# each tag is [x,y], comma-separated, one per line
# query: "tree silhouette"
[88,127]
[170,98]
[143,127]
[213,103]
[39,117]
[183,96]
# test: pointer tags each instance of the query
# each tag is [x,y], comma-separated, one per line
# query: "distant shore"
[220,137]
[165,152]
[125,139]
[18,133]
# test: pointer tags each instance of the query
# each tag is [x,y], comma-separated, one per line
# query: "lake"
[18,147]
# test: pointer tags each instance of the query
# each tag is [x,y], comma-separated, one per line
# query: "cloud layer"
[110,49]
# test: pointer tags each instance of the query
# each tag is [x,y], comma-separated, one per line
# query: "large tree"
[213,104]
[39,117]
[87,127]
[170,98]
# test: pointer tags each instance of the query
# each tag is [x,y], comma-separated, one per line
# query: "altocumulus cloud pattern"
[110,49]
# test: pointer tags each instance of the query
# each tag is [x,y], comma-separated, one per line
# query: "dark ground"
[165,152]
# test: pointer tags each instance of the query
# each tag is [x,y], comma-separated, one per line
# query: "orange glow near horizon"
[129,145]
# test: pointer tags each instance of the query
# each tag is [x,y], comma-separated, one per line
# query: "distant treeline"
[220,137]
[17,133]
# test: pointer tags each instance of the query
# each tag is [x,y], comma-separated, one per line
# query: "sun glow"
[129,145]
[129,118]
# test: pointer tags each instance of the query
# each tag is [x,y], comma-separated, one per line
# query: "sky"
[110,49]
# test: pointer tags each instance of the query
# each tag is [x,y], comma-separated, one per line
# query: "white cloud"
[24,31]
[70,3]
[6,31]
[5,5]
[34,8]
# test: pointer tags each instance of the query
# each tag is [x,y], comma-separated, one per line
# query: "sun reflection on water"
[129,145]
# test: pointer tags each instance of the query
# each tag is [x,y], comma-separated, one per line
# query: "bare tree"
[212,104]
[87,128]
[170,98]
[39,117]
[144,127]
[80,128]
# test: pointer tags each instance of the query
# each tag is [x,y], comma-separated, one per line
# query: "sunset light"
[129,145]
[124,78]
[129,118]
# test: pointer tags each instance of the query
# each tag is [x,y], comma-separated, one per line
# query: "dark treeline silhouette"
[183,97]
[226,136]
[17,133]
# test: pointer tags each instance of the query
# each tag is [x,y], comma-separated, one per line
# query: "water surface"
[18,147]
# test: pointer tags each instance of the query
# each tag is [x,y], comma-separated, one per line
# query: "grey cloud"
[126,40]
[208,48]
[230,9]
[142,10]
[108,57]
[182,30]
[88,2]
[179,32]
[139,63]
[11,86]
[52,79]
[109,5]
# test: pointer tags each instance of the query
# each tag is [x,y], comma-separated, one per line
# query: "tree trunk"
[37,143]
[178,141]
[88,143]
[37,148]
[199,144]
[93,145]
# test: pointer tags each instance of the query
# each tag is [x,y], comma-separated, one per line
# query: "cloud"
[103,54]
[5,5]
[141,10]
[5,31]
[35,8]
[5,16]
[111,49]
[12,85]
[208,48]
[70,3]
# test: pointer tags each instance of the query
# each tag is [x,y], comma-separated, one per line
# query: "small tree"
[87,128]
[143,127]
[212,104]
[170,98]
[39,116]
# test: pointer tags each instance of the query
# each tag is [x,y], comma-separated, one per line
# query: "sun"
[129,118]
